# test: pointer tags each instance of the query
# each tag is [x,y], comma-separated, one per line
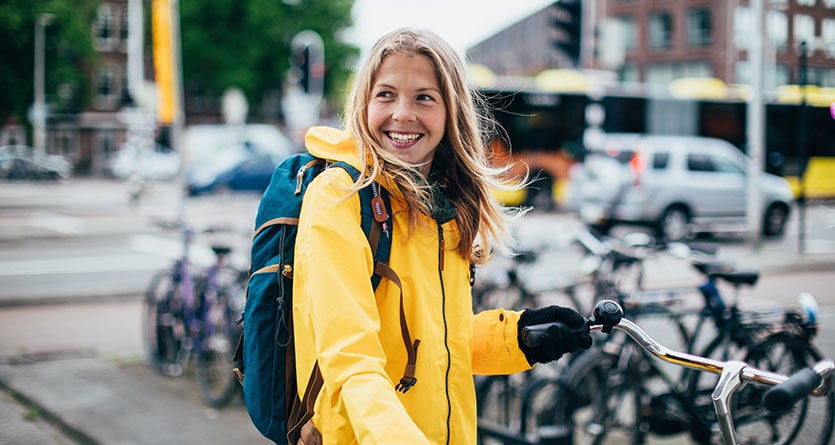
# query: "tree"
[68,50]
[246,43]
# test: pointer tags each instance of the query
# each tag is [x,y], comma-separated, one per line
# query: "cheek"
[375,117]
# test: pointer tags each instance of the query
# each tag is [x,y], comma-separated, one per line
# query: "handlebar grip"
[786,394]
[607,313]
[532,335]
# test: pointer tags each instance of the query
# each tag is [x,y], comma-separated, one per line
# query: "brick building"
[661,40]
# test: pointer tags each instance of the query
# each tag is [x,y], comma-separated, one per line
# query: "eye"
[384,94]
[425,97]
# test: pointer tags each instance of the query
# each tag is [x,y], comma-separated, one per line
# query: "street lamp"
[39,108]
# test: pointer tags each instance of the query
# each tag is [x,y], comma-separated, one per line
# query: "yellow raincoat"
[355,333]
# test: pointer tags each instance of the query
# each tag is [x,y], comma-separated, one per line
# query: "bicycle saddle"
[738,277]
[221,250]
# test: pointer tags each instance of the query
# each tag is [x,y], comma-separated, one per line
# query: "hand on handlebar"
[568,331]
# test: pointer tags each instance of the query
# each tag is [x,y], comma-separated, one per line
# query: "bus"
[546,130]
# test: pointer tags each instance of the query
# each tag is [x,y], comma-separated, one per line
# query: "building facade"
[90,137]
[657,41]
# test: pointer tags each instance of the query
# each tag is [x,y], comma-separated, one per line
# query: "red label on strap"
[379,209]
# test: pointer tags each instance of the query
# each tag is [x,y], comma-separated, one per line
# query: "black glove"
[571,334]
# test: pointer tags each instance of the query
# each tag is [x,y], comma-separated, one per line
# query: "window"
[829,3]
[806,2]
[630,33]
[828,36]
[724,165]
[804,28]
[660,160]
[106,89]
[777,27]
[699,163]
[124,27]
[743,26]
[105,38]
[660,30]
[698,27]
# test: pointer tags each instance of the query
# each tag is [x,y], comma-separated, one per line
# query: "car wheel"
[673,224]
[774,220]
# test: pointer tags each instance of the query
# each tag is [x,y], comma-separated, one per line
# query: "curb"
[69,299]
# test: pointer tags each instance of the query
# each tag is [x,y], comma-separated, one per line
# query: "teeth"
[404,137]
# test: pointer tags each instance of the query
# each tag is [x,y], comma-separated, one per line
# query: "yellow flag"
[161,27]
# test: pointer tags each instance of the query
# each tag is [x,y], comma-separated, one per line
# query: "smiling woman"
[416,133]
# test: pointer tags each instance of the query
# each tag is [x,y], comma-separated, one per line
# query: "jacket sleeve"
[495,345]
[333,267]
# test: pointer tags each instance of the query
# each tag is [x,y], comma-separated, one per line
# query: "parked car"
[25,162]
[679,185]
[233,158]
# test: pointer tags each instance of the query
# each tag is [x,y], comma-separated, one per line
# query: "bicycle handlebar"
[786,391]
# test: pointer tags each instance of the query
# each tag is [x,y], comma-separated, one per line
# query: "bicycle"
[616,392]
[735,377]
[610,263]
[503,401]
[191,315]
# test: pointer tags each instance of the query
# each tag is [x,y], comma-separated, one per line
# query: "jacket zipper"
[446,328]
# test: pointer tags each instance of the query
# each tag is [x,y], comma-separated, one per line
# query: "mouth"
[401,139]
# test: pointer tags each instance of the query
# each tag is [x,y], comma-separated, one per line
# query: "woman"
[413,126]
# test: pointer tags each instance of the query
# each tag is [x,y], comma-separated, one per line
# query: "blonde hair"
[462,156]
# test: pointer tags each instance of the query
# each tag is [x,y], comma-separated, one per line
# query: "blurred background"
[114,87]
[116,115]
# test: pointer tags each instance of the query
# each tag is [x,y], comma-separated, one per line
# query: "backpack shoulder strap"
[375,220]
[376,223]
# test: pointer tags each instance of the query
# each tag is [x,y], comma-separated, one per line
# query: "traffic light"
[300,67]
[307,64]
[568,21]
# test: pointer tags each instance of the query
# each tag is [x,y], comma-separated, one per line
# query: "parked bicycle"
[616,392]
[190,315]
[505,400]
[730,400]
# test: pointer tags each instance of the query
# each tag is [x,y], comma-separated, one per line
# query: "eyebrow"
[385,85]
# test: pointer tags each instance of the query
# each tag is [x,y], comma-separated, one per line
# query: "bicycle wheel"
[592,402]
[606,394]
[807,422]
[497,402]
[213,365]
[164,329]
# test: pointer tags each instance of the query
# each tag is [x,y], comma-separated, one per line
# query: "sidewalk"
[84,399]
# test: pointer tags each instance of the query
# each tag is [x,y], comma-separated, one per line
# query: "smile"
[403,138]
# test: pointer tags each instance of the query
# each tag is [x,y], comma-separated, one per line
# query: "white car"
[679,185]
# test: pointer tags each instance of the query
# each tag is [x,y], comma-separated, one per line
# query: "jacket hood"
[332,144]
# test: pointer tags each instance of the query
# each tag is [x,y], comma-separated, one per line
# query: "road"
[84,242]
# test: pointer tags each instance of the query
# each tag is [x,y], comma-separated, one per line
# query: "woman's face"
[407,113]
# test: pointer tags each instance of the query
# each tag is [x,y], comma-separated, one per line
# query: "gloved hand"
[570,335]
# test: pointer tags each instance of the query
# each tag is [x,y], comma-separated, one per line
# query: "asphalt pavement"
[84,397]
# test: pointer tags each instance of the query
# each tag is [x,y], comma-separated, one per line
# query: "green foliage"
[246,43]
[68,53]
[225,43]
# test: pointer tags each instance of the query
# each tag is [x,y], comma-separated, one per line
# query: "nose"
[403,111]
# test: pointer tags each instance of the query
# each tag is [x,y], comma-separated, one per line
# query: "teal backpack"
[265,356]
